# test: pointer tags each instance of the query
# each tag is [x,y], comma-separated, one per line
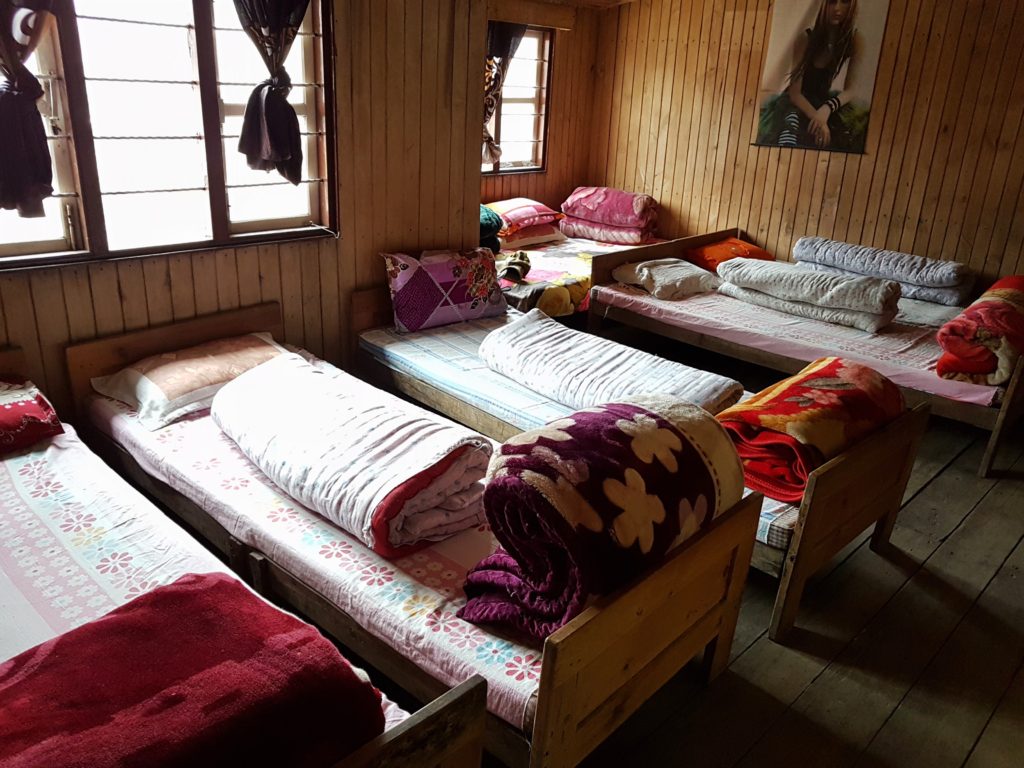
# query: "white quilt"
[851,318]
[580,370]
[378,467]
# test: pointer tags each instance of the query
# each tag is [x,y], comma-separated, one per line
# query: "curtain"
[503,41]
[270,136]
[26,174]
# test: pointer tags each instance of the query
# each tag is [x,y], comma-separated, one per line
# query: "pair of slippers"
[516,267]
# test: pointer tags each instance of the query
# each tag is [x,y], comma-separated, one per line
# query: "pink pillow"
[521,212]
[535,235]
[442,287]
[26,417]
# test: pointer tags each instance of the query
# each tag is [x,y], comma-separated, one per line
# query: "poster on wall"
[819,74]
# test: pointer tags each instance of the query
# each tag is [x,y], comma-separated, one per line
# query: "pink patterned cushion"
[521,212]
[442,287]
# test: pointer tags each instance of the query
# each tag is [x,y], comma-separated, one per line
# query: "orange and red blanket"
[785,432]
[982,344]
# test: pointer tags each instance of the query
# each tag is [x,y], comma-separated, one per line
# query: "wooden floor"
[911,659]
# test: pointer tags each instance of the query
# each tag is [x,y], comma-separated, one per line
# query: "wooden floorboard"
[882,657]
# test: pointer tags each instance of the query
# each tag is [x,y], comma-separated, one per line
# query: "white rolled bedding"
[851,318]
[388,472]
[580,370]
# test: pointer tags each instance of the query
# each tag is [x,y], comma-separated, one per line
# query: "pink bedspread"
[906,354]
[409,602]
[605,205]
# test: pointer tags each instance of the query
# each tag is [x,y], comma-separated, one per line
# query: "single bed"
[558,282]
[904,353]
[399,614]
[76,541]
[441,369]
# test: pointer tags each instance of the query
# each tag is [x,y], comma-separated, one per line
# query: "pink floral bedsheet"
[410,602]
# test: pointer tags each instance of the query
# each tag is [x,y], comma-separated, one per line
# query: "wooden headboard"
[601,271]
[12,361]
[110,354]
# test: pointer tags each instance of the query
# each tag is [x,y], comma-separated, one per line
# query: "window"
[519,125]
[166,85]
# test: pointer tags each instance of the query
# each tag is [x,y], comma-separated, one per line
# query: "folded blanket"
[892,265]
[951,297]
[587,503]
[388,472]
[783,281]
[605,233]
[198,673]
[580,370]
[982,344]
[788,430]
[668,279]
[605,205]
[865,321]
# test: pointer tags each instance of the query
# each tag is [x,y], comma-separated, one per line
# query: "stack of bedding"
[940,282]
[610,215]
[858,301]
[983,343]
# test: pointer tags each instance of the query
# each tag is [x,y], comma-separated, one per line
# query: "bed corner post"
[1009,412]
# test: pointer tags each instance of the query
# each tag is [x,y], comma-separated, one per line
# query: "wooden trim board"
[12,361]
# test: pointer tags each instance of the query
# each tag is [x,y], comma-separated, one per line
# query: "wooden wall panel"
[572,121]
[409,77]
[676,108]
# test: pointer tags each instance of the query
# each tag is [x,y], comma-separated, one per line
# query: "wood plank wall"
[675,111]
[408,96]
[570,121]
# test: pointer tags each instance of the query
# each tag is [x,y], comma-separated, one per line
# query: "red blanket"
[198,673]
[785,432]
[982,343]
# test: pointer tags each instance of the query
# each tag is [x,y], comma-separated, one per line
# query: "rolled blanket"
[580,370]
[950,297]
[942,282]
[865,321]
[605,205]
[605,233]
[588,502]
[388,472]
[788,430]
[198,673]
[669,279]
[862,294]
[982,343]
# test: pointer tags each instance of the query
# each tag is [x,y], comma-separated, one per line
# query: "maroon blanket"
[198,673]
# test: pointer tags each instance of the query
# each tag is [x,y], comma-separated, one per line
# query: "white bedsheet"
[580,370]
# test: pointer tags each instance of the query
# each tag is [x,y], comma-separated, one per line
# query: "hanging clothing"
[270,137]
[503,41]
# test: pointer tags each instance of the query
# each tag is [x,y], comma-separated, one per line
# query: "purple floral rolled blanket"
[586,503]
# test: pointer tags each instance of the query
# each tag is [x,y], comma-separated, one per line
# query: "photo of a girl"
[819,74]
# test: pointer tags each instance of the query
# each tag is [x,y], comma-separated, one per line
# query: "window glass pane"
[137,109]
[280,201]
[238,61]
[519,92]
[239,94]
[529,46]
[224,14]
[159,218]
[516,152]
[135,51]
[517,128]
[161,11]
[128,165]
[521,73]
[14,229]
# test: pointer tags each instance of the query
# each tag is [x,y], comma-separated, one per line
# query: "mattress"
[410,603]
[76,542]
[905,353]
[447,358]
[558,282]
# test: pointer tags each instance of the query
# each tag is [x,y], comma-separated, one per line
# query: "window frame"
[88,233]
[548,37]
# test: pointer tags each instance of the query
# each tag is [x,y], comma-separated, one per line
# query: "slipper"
[516,268]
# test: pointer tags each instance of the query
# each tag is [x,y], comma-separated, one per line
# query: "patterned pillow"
[442,287]
[710,256]
[163,388]
[538,234]
[26,417]
[521,212]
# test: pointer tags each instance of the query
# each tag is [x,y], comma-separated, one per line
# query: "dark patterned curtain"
[26,175]
[270,136]
[503,41]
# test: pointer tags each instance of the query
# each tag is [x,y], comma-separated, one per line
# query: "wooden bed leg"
[883,531]
[990,451]
[1009,412]
[787,602]
[258,572]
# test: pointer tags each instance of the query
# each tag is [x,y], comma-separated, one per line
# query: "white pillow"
[669,279]
[538,234]
[163,388]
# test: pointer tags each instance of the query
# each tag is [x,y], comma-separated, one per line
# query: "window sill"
[68,258]
[513,172]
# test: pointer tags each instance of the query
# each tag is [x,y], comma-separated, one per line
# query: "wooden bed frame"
[996,420]
[836,508]
[596,671]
